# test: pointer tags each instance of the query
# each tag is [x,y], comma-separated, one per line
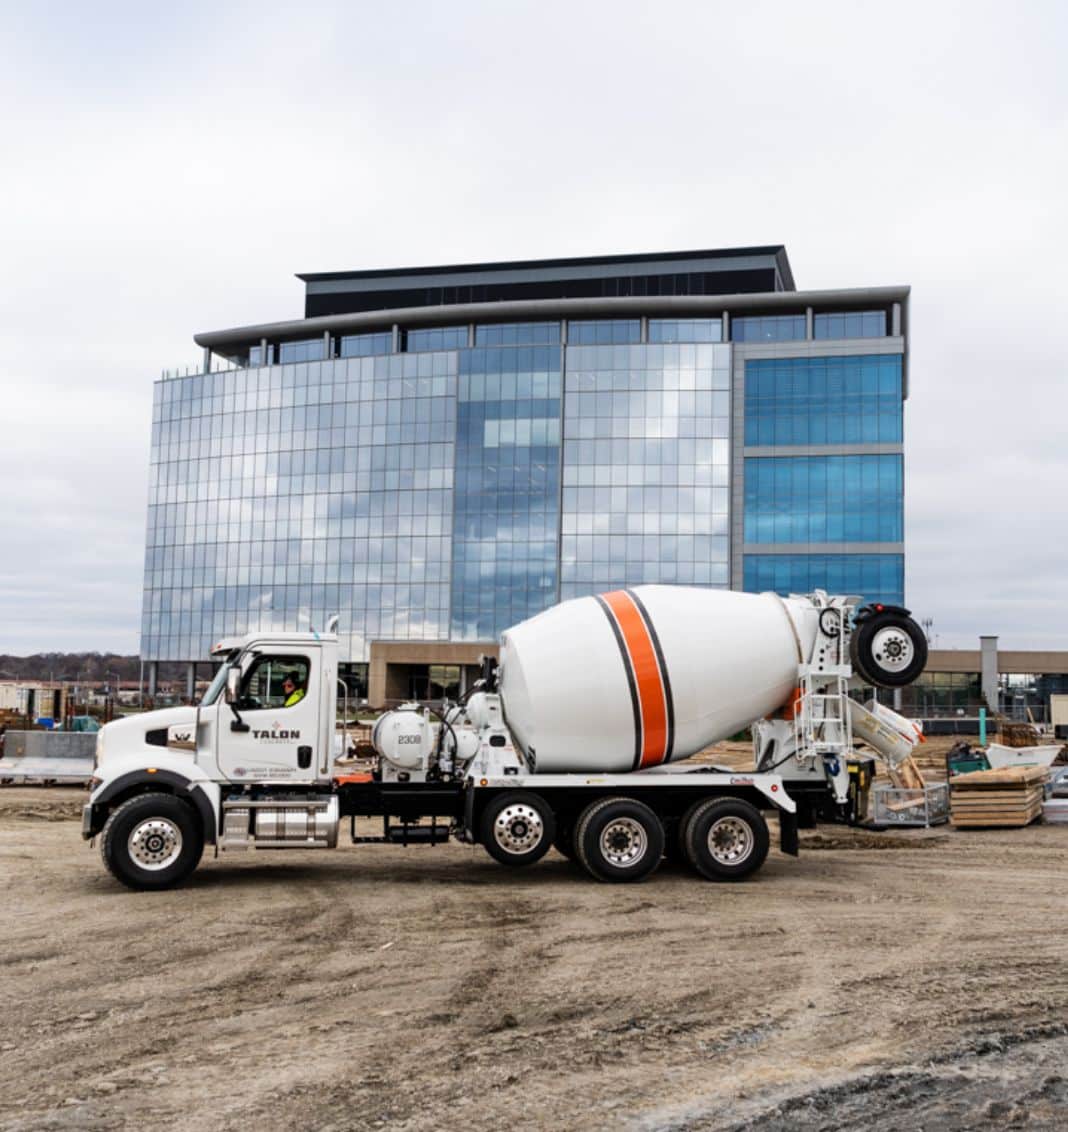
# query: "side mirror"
[233,685]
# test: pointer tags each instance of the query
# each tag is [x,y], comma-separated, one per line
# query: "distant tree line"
[81,667]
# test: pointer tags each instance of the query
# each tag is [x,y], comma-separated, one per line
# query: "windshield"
[219,681]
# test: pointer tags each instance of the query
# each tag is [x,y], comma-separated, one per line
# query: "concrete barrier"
[48,756]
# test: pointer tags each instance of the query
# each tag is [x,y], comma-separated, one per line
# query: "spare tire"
[887,649]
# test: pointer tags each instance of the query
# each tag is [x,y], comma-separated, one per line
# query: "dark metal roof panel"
[777,252]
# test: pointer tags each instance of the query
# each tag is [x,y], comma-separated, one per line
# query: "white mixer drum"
[634,678]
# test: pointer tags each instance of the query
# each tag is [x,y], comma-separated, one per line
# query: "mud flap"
[788,841]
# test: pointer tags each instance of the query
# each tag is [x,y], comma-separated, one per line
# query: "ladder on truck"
[823,725]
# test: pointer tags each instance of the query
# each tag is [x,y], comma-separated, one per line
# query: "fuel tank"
[639,677]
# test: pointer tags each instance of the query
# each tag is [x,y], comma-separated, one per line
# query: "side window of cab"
[275,683]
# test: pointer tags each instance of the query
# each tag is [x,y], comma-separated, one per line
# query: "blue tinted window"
[812,499]
[850,324]
[255,356]
[505,514]
[307,350]
[604,332]
[685,330]
[366,345]
[518,334]
[876,577]
[854,400]
[436,338]
[768,328]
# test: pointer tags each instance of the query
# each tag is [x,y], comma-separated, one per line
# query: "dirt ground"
[898,980]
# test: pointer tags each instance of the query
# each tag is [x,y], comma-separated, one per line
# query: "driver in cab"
[292,691]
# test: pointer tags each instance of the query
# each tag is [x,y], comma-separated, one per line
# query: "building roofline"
[542,309]
[776,250]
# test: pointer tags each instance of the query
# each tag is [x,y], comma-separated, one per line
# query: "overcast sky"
[166,168]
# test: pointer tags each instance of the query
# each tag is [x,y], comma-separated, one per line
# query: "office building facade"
[435,454]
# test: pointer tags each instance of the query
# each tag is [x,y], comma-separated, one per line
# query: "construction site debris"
[1004,797]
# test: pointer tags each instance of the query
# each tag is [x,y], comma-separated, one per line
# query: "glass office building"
[434,454]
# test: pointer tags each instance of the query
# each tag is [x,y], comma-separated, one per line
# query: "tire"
[152,841]
[518,828]
[619,840]
[888,649]
[725,838]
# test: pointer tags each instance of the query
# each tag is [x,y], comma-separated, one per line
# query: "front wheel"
[518,828]
[725,838]
[152,841]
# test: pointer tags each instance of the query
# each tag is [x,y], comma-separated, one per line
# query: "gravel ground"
[430,988]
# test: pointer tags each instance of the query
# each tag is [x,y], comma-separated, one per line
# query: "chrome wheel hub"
[518,828]
[623,842]
[892,649]
[730,840]
[155,843]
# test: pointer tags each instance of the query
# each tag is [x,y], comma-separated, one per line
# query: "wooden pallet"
[1009,797]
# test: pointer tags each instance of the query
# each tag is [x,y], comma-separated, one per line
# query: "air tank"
[635,678]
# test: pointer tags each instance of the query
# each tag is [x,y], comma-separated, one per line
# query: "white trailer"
[573,741]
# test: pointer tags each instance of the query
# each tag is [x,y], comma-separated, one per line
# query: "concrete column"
[396,339]
[810,323]
[328,345]
[895,320]
[190,682]
[643,334]
[207,359]
[264,357]
[726,319]
[988,647]
[563,337]
[470,335]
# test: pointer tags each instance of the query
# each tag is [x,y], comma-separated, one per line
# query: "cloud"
[166,170]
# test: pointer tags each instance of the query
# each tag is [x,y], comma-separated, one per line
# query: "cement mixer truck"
[575,740]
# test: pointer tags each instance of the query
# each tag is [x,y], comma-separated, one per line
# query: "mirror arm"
[237,724]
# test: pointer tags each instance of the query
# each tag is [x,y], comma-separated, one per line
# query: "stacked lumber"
[1009,797]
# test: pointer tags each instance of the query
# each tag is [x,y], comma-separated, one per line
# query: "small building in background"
[1019,684]
[33,699]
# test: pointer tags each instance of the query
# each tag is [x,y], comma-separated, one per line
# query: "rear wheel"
[152,841]
[725,838]
[619,840]
[518,828]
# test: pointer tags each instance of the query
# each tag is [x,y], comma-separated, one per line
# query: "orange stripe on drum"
[649,688]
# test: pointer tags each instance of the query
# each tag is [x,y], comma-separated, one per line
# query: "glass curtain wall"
[854,400]
[283,494]
[506,503]
[878,577]
[646,458]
